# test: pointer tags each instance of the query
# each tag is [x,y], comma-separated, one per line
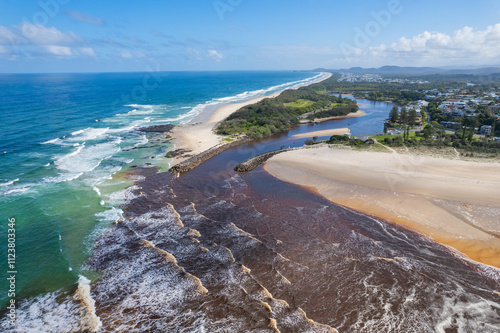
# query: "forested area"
[273,115]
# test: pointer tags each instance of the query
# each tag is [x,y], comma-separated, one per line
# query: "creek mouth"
[215,250]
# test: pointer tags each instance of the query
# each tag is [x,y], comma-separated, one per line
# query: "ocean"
[212,250]
[66,141]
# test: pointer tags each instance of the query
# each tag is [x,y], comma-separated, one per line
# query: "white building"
[485,130]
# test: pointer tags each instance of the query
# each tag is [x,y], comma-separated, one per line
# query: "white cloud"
[41,35]
[87,51]
[193,54]
[213,54]
[466,46]
[128,54]
[58,50]
[7,36]
[82,17]
[49,40]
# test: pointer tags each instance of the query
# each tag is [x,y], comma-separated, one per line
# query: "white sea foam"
[110,215]
[101,174]
[9,182]
[96,189]
[53,141]
[77,132]
[45,313]
[127,128]
[141,106]
[87,134]
[63,178]
[85,159]
[136,112]
[17,190]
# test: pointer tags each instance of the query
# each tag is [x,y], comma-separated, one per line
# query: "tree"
[412,117]
[427,132]
[393,115]
[473,124]
[424,115]
[465,123]
[404,119]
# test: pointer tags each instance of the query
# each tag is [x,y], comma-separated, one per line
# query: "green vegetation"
[434,135]
[273,115]
[337,139]
[397,97]
[347,140]
[300,103]
[334,111]
[382,138]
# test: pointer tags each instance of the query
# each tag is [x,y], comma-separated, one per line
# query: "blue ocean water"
[66,140]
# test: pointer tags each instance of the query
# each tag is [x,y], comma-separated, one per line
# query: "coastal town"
[474,106]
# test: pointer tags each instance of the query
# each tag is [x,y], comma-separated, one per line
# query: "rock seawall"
[255,161]
[194,161]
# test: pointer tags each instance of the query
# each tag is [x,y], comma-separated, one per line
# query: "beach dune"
[456,203]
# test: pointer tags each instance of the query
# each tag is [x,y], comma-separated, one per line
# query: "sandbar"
[323,133]
[454,202]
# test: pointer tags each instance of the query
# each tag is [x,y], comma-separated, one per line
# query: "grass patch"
[300,103]
[380,138]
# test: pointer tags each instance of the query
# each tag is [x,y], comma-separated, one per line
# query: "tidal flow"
[217,251]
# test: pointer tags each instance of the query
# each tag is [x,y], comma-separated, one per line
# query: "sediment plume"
[89,320]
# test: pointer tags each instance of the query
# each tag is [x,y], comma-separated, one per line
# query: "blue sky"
[110,36]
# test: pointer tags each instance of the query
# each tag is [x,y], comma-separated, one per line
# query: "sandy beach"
[350,115]
[199,137]
[324,133]
[456,203]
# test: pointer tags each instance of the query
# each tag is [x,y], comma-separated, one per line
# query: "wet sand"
[456,203]
[199,137]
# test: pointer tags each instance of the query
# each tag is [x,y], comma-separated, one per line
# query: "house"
[495,108]
[450,124]
[485,130]
[457,113]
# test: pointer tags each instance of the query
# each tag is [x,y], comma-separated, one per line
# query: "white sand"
[330,132]
[454,202]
